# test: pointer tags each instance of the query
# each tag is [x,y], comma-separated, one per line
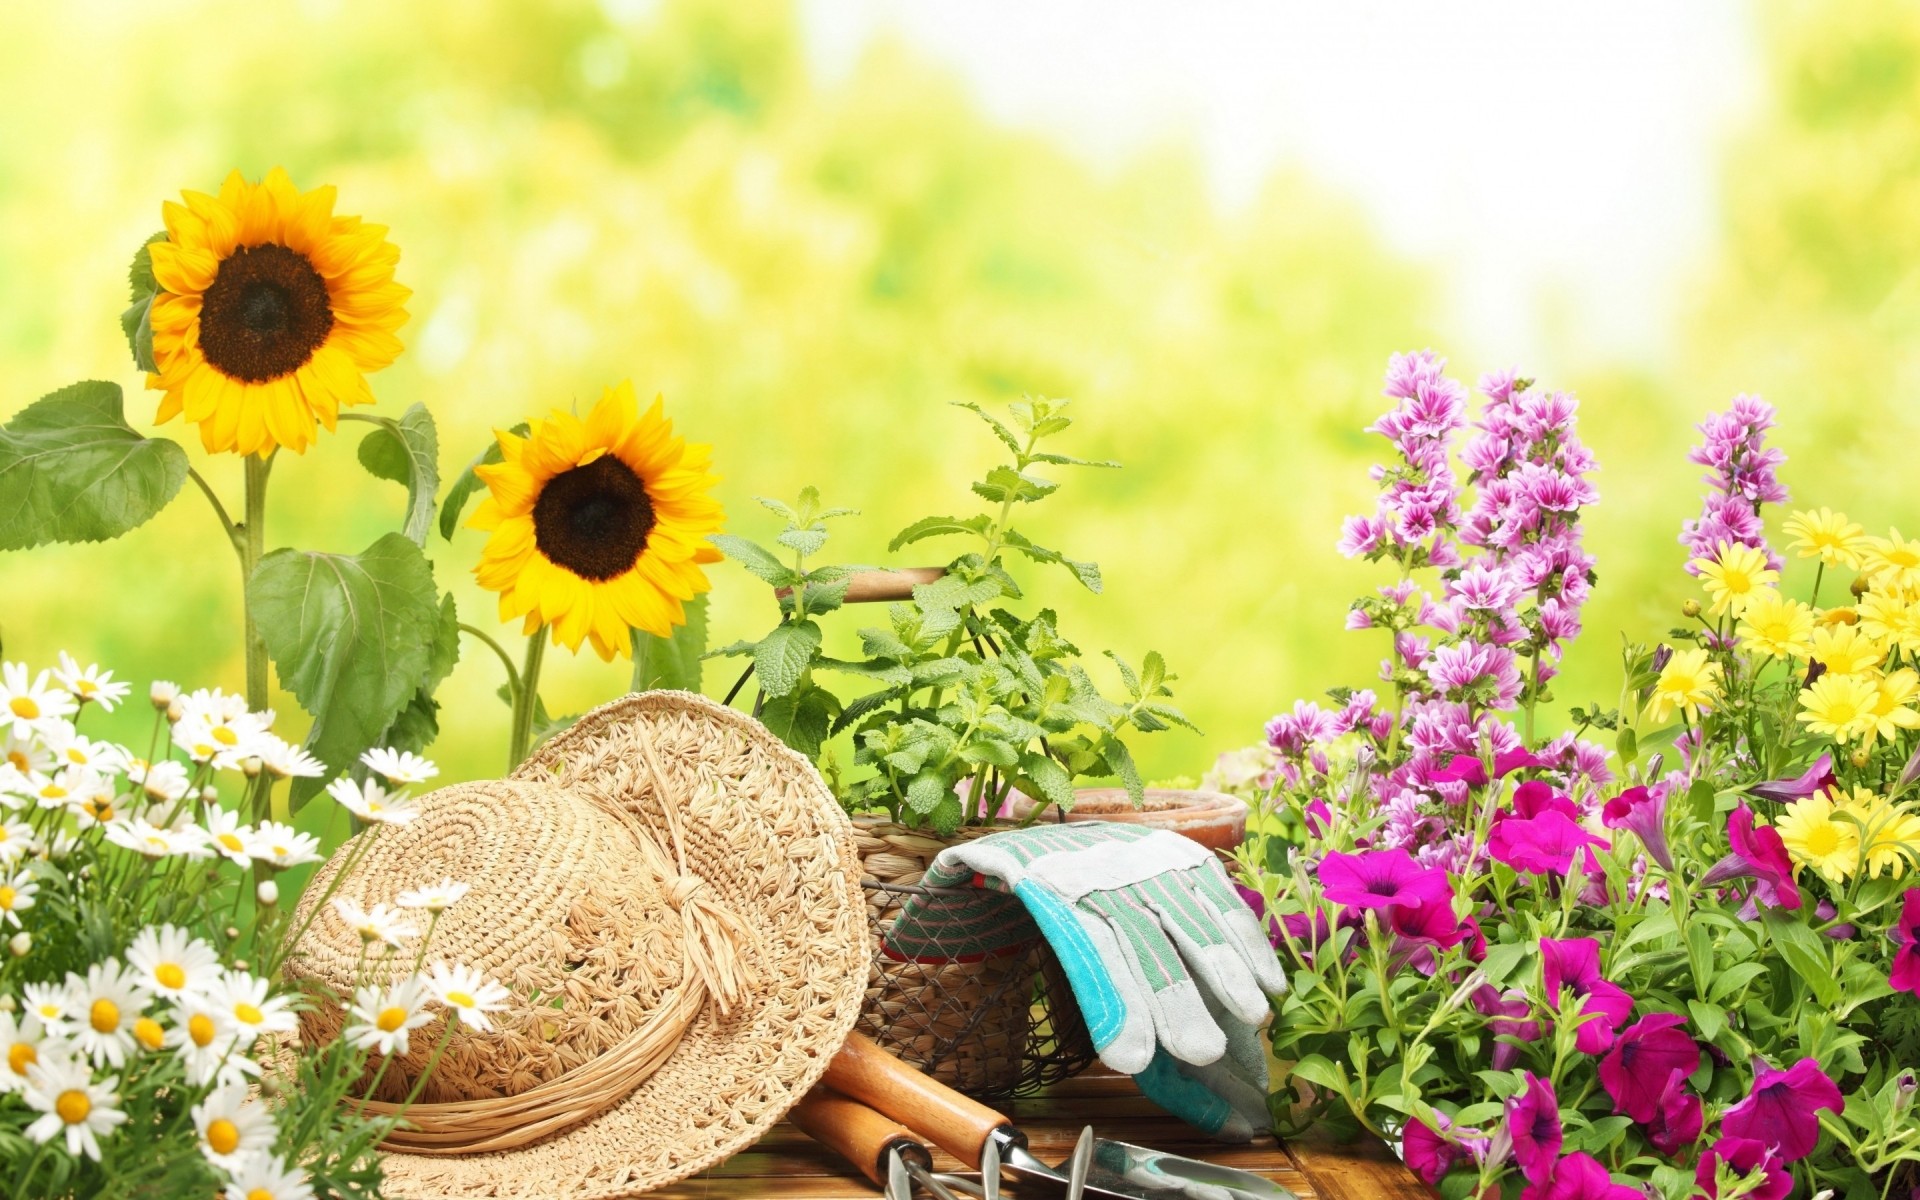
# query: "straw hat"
[671,896]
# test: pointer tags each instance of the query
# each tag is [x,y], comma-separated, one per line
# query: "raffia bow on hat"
[670,895]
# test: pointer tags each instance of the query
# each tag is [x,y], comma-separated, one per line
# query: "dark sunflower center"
[594,520]
[265,314]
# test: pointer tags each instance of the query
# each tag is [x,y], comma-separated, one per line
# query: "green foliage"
[73,470]
[352,637]
[407,452]
[672,662]
[466,484]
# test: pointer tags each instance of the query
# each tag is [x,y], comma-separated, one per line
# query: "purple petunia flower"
[1292,732]
[1470,770]
[1742,470]
[1815,779]
[1642,811]
[1381,879]
[1487,676]
[1905,976]
[1580,1176]
[1543,845]
[1635,1071]
[1759,854]
[1780,1112]
[1533,1121]
[1507,1012]
[1677,1120]
[1747,1158]
[1431,923]
[1427,1151]
[1570,969]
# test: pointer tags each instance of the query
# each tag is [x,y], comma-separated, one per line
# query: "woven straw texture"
[621,912]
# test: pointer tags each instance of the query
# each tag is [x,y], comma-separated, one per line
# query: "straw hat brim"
[765,833]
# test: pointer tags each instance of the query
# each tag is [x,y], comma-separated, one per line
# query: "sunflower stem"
[252,544]
[527,701]
[506,660]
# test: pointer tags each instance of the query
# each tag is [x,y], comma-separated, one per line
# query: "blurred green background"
[810,268]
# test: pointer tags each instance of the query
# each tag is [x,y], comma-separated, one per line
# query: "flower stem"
[252,545]
[521,740]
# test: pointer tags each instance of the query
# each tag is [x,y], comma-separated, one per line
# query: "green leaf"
[73,470]
[407,452]
[1068,460]
[802,719]
[952,593]
[1006,484]
[779,508]
[1627,744]
[1048,778]
[1087,573]
[137,321]
[783,655]
[1599,1134]
[926,789]
[1000,431]
[927,527]
[351,636]
[467,483]
[419,722]
[757,559]
[1320,1071]
[1120,761]
[1710,1019]
[990,750]
[1806,952]
[804,541]
[673,661]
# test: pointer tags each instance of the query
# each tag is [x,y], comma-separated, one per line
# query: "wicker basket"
[993,1028]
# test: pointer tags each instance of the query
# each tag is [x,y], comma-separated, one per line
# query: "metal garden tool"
[975,1134]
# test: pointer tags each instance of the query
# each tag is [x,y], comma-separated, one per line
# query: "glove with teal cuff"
[1170,969]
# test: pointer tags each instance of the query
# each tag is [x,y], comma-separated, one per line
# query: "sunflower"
[598,525]
[270,312]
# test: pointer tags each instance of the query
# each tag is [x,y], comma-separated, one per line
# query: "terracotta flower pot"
[1214,819]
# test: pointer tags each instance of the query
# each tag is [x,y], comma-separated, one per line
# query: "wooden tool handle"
[866,587]
[861,1135]
[943,1116]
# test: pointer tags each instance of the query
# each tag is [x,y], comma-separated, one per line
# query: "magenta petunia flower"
[1431,924]
[1759,854]
[1677,1121]
[1570,968]
[1427,1151]
[1780,1111]
[1535,798]
[1905,976]
[1747,1158]
[1642,811]
[1580,1176]
[1533,1123]
[1544,845]
[1468,769]
[1508,1014]
[1815,779]
[1484,675]
[1381,879]
[1635,1071]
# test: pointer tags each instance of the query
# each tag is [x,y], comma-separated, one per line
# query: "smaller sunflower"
[599,524]
[270,312]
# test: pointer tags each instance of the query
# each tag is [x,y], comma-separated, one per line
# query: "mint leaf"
[802,718]
[782,656]
[73,470]
[927,527]
[757,559]
[407,452]
[672,662]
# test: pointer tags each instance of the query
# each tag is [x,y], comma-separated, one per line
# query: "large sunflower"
[270,311]
[598,524]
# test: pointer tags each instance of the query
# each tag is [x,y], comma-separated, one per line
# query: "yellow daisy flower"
[1893,694]
[1883,617]
[1688,682]
[1813,837]
[1776,626]
[1892,562]
[1840,706]
[270,312]
[1885,828]
[1734,575]
[1837,616]
[599,524]
[1826,535]
[1846,649]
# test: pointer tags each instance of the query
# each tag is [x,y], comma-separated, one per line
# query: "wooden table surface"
[787,1163]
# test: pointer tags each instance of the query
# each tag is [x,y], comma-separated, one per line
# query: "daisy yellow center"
[460,999]
[247,1014]
[1736,580]
[391,1018]
[1900,556]
[53,791]
[99,810]
[156,841]
[260,1194]
[265,314]
[19,759]
[49,1012]
[20,1056]
[281,851]
[594,520]
[148,1033]
[77,756]
[86,687]
[374,806]
[170,976]
[200,1029]
[1822,840]
[223,1136]
[225,736]
[24,707]
[74,1106]
[7,895]
[104,1016]
[232,842]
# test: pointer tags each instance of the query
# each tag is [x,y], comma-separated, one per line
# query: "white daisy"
[144,837]
[284,760]
[16,896]
[371,802]
[382,1017]
[228,837]
[26,759]
[20,1042]
[267,1177]
[379,924]
[16,841]
[435,897]
[226,745]
[469,994]
[73,1103]
[62,846]
[52,1003]
[79,750]
[29,706]
[399,766]
[97,808]
[90,684]
[106,1004]
[161,693]
[242,1007]
[282,846]
[164,782]
[230,1126]
[171,962]
[206,1048]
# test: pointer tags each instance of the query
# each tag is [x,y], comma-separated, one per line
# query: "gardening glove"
[1170,968]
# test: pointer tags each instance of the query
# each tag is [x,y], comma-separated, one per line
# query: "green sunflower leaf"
[73,470]
[137,321]
[672,662]
[419,721]
[351,636]
[407,452]
[466,483]
[782,656]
